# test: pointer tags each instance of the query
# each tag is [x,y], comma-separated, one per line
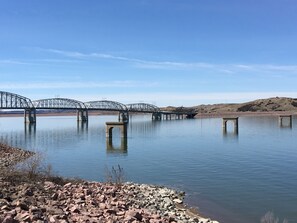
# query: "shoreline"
[42,200]
[244,114]
[199,115]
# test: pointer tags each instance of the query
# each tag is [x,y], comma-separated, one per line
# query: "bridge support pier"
[82,115]
[190,116]
[178,116]
[157,116]
[123,116]
[30,115]
[282,117]
[167,116]
[111,125]
[235,122]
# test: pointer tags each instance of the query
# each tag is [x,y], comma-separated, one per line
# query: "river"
[233,178]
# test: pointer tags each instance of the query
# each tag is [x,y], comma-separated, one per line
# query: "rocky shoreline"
[10,156]
[81,201]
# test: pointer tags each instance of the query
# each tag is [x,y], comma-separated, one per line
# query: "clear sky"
[165,52]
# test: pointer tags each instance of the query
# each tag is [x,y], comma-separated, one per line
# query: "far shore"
[199,115]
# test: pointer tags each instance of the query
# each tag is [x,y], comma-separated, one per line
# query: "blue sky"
[165,52]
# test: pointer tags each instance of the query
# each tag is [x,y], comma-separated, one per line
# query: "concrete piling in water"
[30,115]
[235,124]
[281,120]
[111,125]
[82,115]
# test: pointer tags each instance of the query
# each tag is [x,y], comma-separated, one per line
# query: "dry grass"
[115,176]
[32,170]
[270,218]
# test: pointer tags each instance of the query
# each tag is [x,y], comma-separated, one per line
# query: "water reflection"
[82,127]
[230,135]
[122,149]
[13,138]
[145,128]
[234,132]
[30,129]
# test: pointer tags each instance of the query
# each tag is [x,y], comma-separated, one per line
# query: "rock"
[29,192]
[49,184]
[9,219]
[68,185]
[110,211]
[22,205]
[74,209]
[55,211]
[23,217]
[134,214]
[53,219]
[102,206]
[120,213]
[178,201]
[5,207]
[54,196]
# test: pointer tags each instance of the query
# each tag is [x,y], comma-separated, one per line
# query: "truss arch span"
[143,107]
[14,101]
[106,105]
[59,103]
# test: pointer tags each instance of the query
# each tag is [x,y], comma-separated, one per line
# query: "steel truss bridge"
[14,101]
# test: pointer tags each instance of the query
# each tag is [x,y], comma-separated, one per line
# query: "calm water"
[233,178]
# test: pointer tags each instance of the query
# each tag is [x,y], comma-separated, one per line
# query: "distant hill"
[277,104]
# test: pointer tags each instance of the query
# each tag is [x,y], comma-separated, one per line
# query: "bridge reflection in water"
[56,134]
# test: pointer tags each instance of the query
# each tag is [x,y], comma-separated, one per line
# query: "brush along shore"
[41,197]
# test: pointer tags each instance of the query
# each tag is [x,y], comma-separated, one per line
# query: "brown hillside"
[277,104]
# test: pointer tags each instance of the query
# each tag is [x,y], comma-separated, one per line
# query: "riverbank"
[46,199]
[10,156]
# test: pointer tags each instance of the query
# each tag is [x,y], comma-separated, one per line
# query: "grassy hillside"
[280,104]
[277,104]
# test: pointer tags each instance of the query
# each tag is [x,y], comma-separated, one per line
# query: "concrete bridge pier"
[30,115]
[281,119]
[123,116]
[179,116]
[82,115]
[167,116]
[235,124]
[157,116]
[111,125]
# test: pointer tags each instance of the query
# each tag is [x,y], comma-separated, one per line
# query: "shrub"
[115,176]
[270,218]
